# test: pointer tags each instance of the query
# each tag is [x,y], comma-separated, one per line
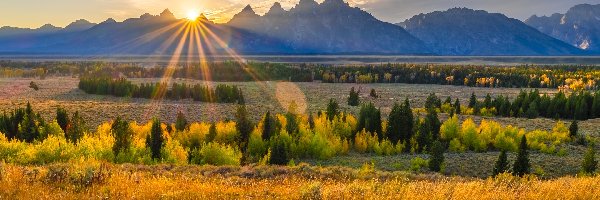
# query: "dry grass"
[164,182]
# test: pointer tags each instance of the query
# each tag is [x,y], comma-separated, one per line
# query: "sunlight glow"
[192,15]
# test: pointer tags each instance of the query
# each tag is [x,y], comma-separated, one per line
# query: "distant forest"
[566,77]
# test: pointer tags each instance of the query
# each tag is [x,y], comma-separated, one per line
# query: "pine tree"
[395,124]
[77,128]
[532,111]
[433,123]
[457,107]
[423,136]
[268,126]
[212,133]
[436,159]
[589,164]
[521,165]
[156,139]
[573,129]
[62,118]
[595,112]
[181,123]
[473,101]
[279,152]
[123,136]
[244,127]
[501,165]
[369,118]
[332,109]
[311,121]
[353,99]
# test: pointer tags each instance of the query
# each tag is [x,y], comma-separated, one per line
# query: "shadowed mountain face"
[148,35]
[462,31]
[330,27]
[580,26]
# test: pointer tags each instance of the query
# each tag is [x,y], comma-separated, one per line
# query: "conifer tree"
[457,107]
[473,101]
[181,123]
[436,159]
[332,109]
[212,133]
[279,152]
[573,129]
[268,126]
[589,164]
[244,127]
[353,99]
[395,124]
[77,128]
[521,165]
[373,94]
[156,139]
[370,119]
[62,118]
[123,136]
[311,121]
[501,165]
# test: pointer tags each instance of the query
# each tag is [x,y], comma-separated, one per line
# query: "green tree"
[501,165]
[532,111]
[589,164]
[123,136]
[332,109]
[244,127]
[156,139]
[433,102]
[436,159]
[279,152]
[473,101]
[62,118]
[457,107]
[268,128]
[433,122]
[395,123]
[353,99]
[373,94]
[212,133]
[521,165]
[370,119]
[181,123]
[77,128]
[573,129]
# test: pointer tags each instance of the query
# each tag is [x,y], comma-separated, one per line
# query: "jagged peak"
[167,14]
[146,16]
[307,3]
[276,9]
[335,2]
[109,21]
[248,9]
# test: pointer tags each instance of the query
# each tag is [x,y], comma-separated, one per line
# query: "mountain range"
[331,27]
[580,26]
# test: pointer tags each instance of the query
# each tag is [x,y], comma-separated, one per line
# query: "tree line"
[275,139]
[123,88]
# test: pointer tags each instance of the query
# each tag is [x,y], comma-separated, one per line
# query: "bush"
[418,163]
[216,154]
[589,163]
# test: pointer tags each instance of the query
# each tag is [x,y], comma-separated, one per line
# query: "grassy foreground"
[101,180]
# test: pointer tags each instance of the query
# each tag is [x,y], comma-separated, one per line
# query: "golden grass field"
[107,181]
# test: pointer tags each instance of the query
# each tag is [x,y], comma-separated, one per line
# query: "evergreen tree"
[212,133]
[473,101]
[268,126]
[292,123]
[395,124]
[581,110]
[311,121]
[77,129]
[370,119]
[532,111]
[433,123]
[457,107]
[521,165]
[62,118]
[123,136]
[595,112]
[573,129]
[423,136]
[181,123]
[332,109]
[244,127]
[432,102]
[501,165]
[279,152]
[589,164]
[353,99]
[156,139]
[436,159]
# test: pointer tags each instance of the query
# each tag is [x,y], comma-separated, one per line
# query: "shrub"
[417,164]
[172,152]
[216,154]
[353,98]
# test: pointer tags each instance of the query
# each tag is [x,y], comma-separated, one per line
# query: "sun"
[192,15]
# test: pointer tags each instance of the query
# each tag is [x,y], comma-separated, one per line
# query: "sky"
[35,13]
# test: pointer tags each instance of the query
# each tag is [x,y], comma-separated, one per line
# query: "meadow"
[324,157]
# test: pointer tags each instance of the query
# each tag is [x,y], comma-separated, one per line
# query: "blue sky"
[35,13]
